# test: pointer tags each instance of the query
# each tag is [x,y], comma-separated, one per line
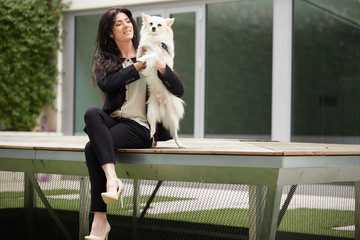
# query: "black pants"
[106,134]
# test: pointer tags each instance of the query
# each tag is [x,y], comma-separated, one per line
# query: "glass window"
[326,71]
[239,69]
[85,94]
[184,64]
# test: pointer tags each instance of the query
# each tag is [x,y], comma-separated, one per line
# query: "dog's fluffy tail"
[178,105]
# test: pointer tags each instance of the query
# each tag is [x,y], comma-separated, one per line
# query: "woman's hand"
[140,65]
[161,66]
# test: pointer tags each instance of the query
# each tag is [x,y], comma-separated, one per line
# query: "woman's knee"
[89,152]
[91,114]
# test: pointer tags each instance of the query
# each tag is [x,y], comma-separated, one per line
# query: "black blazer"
[113,86]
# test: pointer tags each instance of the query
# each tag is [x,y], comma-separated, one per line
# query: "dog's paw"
[178,143]
[150,59]
[141,59]
[181,146]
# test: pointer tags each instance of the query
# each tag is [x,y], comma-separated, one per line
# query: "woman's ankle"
[112,184]
[98,226]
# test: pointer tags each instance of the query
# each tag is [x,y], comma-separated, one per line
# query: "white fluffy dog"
[156,43]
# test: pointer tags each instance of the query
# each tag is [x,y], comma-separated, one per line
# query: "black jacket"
[113,86]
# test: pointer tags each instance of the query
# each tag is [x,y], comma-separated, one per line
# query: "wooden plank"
[17,147]
[208,147]
[48,142]
[311,149]
[193,146]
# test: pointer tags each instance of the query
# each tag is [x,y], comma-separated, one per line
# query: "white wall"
[78,5]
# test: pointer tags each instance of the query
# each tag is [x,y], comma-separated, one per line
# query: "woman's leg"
[98,226]
[125,134]
[98,124]
[97,152]
[105,134]
[111,177]
[97,179]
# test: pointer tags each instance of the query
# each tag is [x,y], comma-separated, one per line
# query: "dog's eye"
[151,24]
[159,25]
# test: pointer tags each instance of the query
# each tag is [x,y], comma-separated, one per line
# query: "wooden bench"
[256,163]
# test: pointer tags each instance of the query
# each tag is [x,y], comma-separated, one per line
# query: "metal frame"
[357,210]
[84,207]
[282,70]
[274,172]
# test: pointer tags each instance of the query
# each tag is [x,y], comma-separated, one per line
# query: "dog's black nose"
[153,29]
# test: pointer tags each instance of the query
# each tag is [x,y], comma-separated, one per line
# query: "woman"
[121,123]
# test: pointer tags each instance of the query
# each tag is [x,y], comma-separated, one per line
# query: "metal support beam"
[357,210]
[257,195]
[136,206]
[151,199]
[271,212]
[29,204]
[84,207]
[286,203]
[51,211]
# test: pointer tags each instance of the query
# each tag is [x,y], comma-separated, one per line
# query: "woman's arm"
[170,79]
[118,78]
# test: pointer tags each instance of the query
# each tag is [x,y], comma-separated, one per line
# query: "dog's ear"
[145,17]
[170,21]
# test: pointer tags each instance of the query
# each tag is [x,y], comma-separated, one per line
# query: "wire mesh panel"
[320,211]
[195,211]
[11,190]
[11,204]
[49,210]
[171,210]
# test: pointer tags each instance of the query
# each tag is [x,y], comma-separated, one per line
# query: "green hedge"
[29,40]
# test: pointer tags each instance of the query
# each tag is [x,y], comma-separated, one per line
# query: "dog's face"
[156,25]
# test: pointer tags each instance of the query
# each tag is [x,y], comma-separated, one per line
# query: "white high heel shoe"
[112,197]
[105,237]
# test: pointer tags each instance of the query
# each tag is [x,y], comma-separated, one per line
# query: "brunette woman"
[116,73]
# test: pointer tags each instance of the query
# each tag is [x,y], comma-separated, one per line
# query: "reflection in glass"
[238,69]
[85,94]
[184,64]
[326,71]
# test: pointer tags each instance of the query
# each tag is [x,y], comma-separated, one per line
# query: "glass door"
[184,64]
[85,94]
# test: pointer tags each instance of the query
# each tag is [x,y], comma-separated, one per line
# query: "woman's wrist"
[139,65]
[161,67]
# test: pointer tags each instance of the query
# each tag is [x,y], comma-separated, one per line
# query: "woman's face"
[122,29]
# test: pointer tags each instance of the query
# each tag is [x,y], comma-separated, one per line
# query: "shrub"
[29,40]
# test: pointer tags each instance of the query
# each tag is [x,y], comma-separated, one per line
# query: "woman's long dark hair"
[107,55]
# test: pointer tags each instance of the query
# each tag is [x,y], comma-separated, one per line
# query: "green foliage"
[29,32]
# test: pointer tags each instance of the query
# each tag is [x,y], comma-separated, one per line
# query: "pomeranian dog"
[156,42]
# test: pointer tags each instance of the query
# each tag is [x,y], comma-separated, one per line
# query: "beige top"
[134,106]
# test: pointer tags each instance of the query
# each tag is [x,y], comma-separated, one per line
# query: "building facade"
[285,70]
